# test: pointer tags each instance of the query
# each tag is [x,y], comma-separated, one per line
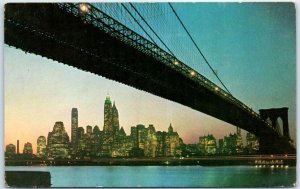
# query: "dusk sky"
[252,46]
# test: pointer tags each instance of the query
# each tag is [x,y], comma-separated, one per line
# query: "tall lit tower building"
[107,127]
[74,125]
[115,120]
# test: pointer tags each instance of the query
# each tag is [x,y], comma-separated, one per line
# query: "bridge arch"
[279,125]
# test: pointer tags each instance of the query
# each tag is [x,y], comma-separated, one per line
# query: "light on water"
[166,176]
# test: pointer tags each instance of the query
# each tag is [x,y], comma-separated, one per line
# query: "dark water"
[164,176]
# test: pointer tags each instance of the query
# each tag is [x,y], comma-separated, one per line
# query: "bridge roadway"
[54,32]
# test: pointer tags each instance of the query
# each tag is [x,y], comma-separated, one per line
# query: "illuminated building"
[58,142]
[27,148]
[41,146]
[74,126]
[141,136]
[115,120]
[10,150]
[252,143]
[208,145]
[172,143]
[107,127]
[150,142]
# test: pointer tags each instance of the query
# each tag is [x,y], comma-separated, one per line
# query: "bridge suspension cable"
[151,29]
[206,61]
[138,23]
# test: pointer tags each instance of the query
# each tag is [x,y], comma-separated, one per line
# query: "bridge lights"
[84,7]
[216,88]
[176,62]
[193,73]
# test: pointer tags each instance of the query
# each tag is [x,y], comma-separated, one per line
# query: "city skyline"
[39,92]
[112,132]
[70,133]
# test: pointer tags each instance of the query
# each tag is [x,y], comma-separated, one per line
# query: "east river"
[165,176]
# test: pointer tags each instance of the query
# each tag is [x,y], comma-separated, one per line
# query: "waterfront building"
[96,141]
[74,126]
[239,141]
[115,121]
[150,142]
[141,136]
[27,148]
[82,143]
[123,145]
[10,150]
[168,143]
[58,142]
[111,127]
[252,143]
[161,143]
[133,135]
[107,127]
[207,145]
[41,147]
[229,145]
[172,143]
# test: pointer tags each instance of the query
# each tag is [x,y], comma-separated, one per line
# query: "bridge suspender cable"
[138,23]
[151,29]
[197,47]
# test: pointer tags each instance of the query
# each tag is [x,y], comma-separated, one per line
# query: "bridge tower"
[273,114]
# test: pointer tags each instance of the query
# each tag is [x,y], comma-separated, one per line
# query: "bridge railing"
[92,15]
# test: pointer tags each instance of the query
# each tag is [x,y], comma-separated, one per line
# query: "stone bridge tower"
[273,114]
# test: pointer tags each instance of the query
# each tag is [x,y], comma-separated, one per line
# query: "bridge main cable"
[206,61]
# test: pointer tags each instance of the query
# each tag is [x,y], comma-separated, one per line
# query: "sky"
[252,46]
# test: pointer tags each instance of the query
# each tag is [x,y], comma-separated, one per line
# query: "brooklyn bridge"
[83,36]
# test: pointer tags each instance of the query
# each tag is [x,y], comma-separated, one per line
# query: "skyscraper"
[58,141]
[115,120]
[111,125]
[41,146]
[107,127]
[74,125]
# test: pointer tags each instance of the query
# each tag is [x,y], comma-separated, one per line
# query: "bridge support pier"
[275,113]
